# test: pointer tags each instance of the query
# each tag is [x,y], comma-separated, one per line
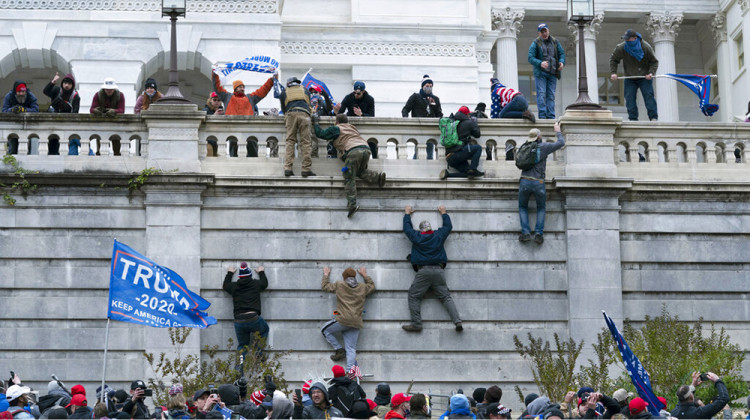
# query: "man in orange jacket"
[237,103]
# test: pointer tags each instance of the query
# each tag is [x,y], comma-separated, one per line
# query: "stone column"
[723,65]
[590,31]
[173,139]
[663,28]
[507,21]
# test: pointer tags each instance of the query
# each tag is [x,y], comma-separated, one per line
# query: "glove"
[97,112]
[242,385]
[111,112]
[270,386]
[18,109]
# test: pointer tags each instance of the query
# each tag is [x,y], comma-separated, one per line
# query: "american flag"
[354,373]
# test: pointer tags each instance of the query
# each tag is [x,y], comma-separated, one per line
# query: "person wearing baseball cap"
[359,103]
[135,405]
[17,398]
[638,59]
[79,408]
[463,156]
[245,294]
[399,406]
[547,57]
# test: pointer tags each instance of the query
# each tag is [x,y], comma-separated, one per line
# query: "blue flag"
[701,85]
[308,81]
[638,374]
[143,292]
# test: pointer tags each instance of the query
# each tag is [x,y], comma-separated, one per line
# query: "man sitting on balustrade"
[464,156]
[353,150]
[109,102]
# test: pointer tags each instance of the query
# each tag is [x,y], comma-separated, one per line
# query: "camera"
[148,392]
[704,377]
[212,389]
[585,396]
[298,392]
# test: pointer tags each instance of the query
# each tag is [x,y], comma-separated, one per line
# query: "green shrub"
[553,372]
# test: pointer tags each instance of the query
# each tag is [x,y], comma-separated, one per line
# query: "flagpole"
[104,365]
[656,75]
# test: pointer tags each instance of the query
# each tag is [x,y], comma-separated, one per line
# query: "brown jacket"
[349,138]
[350,301]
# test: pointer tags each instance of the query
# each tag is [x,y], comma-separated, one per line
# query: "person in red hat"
[637,407]
[343,392]
[399,406]
[19,99]
[79,408]
[247,308]
[463,156]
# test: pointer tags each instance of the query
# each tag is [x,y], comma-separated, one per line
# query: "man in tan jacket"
[350,302]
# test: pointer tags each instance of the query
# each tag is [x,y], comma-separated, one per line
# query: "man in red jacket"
[399,405]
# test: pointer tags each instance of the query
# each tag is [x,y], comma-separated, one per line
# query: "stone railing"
[405,147]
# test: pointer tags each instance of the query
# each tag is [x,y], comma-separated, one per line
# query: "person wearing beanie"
[382,399]
[343,391]
[20,99]
[508,102]
[638,59]
[463,156]
[296,106]
[237,102]
[149,96]
[532,183]
[245,294]
[479,111]
[353,150]
[547,57]
[424,104]
[429,259]
[347,319]
[359,103]
[688,407]
[321,406]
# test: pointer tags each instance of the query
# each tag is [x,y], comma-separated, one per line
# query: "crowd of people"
[341,396]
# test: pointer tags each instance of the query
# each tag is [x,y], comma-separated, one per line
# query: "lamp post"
[582,12]
[173,9]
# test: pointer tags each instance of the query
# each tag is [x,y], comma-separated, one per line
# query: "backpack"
[346,397]
[528,155]
[449,132]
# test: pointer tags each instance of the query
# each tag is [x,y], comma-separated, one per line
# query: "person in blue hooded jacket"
[428,259]
[459,408]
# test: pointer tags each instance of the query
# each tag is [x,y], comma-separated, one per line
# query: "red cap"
[637,405]
[464,110]
[371,404]
[21,87]
[78,389]
[79,400]
[663,401]
[306,386]
[214,95]
[338,371]
[399,399]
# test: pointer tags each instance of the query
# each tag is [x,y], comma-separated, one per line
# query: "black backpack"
[346,397]
[528,155]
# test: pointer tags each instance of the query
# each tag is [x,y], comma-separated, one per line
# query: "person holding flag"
[237,103]
[638,59]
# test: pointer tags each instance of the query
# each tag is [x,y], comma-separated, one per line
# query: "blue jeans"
[515,108]
[351,335]
[458,160]
[525,190]
[430,151]
[546,84]
[647,91]
[246,334]
[73,145]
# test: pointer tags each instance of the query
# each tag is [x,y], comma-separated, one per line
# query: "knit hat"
[554,412]
[257,397]
[494,81]
[426,79]
[349,272]
[53,386]
[534,134]
[306,386]
[464,110]
[338,371]
[78,389]
[481,106]
[175,389]
[78,400]
[584,389]
[629,34]
[529,398]
[108,391]
[637,405]
[478,394]
[21,87]
[244,270]
[620,395]
[383,389]
[237,83]
[121,396]
[150,83]
[459,401]
[359,85]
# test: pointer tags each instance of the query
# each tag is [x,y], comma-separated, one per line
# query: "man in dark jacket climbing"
[247,308]
[464,157]
[428,259]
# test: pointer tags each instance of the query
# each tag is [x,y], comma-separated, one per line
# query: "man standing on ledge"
[428,259]
[532,182]
[295,103]
[638,59]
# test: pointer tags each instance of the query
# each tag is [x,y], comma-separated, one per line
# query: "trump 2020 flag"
[256,63]
[701,85]
[308,81]
[638,374]
[143,292]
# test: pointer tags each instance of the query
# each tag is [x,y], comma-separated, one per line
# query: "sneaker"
[411,328]
[444,174]
[654,119]
[473,173]
[524,237]
[288,173]
[539,239]
[340,354]
[381,180]
[459,327]
[529,116]
[352,211]
[305,174]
